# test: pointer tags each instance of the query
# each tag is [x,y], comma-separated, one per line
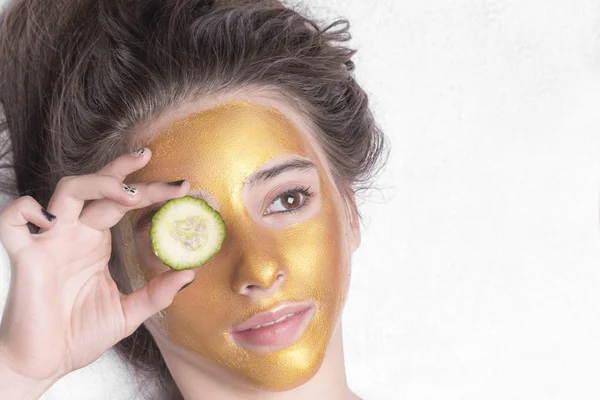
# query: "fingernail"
[130,191]
[49,217]
[186,285]
[139,153]
[32,228]
[176,183]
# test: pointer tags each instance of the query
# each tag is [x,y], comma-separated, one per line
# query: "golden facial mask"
[305,253]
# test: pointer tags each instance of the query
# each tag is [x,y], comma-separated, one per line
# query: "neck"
[329,382]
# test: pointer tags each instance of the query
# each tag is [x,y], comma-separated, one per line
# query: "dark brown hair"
[77,75]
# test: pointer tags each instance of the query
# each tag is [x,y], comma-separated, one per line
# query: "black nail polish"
[139,153]
[32,228]
[186,285]
[129,190]
[49,217]
[176,183]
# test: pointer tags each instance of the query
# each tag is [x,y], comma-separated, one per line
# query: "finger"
[14,232]
[155,296]
[72,192]
[126,164]
[105,213]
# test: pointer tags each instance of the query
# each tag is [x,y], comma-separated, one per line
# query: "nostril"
[278,281]
[254,288]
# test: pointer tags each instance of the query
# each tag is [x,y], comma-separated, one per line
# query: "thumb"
[155,296]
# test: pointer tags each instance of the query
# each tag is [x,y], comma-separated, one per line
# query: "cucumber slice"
[186,232]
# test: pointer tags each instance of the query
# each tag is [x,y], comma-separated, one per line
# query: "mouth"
[275,329]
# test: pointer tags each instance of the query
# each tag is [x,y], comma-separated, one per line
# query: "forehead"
[227,143]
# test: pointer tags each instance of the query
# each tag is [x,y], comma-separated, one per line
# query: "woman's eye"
[289,201]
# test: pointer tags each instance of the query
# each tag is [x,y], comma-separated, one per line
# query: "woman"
[115,107]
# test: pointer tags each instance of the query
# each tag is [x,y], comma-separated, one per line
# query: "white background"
[478,273]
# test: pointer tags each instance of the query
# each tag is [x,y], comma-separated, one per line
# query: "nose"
[260,283]
[258,273]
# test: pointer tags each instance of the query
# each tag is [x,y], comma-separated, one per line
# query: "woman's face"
[286,252]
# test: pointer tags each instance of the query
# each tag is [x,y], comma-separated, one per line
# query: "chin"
[291,369]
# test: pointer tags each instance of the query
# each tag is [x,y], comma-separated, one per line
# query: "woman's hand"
[63,309]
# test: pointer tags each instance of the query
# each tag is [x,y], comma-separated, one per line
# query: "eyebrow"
[262,176]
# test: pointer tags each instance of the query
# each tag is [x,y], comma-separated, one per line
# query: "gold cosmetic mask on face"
[217,150]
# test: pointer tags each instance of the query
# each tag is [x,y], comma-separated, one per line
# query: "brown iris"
[291,200]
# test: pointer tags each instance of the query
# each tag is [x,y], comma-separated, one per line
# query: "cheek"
[204,306]
[316,256]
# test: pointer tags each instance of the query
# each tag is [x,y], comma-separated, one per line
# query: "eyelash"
[305,191]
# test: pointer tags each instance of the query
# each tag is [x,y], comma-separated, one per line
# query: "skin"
[218,144]
[60,278]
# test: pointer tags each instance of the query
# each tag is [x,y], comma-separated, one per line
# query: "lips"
[274,329]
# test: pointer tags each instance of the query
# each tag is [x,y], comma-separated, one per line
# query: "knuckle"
[65,182]
[152,290]
[108,181]
[109,186]
[26,199]
[106,248]
[24,202]
[104,255]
